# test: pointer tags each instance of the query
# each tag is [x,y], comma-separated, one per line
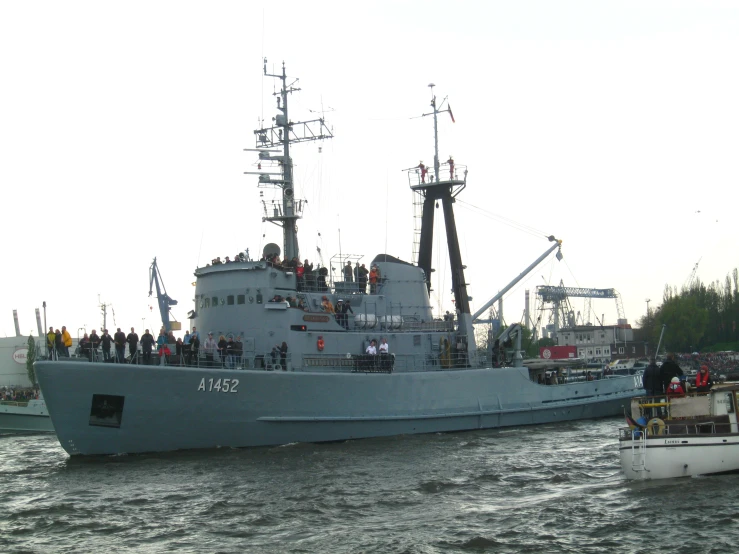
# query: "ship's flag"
[631,423]
[451,114]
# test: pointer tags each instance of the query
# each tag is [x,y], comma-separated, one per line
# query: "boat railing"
[427,175]
[273,361]
[658,427]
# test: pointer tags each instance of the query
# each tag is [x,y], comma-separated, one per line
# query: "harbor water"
[550,488]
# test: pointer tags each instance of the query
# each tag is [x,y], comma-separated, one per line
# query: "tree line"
[698,317]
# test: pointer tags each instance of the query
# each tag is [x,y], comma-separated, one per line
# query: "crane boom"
[165,302]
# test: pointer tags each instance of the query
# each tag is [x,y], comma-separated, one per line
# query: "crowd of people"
[18,395]
[669,379]
[718,362]
[376,357]
[309,279]
[224,352]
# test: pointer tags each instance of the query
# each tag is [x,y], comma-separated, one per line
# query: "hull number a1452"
[218,385]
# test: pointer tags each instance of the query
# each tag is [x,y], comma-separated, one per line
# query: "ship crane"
[165,302]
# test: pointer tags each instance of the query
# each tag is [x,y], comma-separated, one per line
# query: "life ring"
[656,426]
[320,344]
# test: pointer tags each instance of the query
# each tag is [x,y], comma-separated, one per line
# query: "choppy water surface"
[553,488]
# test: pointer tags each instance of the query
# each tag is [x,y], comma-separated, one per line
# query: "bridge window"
[215,301]
[241,299]
[230,299]
[207,302]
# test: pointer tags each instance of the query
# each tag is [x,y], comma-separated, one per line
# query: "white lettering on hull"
[218,385]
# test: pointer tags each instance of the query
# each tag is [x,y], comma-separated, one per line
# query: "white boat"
[622,367]
[25,417]
[695,435]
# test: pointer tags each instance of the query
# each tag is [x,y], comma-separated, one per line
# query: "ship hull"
[670,456]
[162,408]
[31,417]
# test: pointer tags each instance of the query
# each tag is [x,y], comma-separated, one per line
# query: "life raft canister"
[320,344]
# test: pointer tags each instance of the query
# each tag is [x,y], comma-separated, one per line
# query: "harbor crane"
[691,278]
[559,297]
[165,302]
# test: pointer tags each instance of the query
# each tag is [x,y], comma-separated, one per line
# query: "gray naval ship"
[329,385]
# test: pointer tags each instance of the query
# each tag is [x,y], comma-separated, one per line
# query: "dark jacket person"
[669,370]
[652,380]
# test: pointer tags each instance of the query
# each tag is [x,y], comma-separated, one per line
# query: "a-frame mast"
[434,188]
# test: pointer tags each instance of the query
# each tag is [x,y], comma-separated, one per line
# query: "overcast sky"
[611,125]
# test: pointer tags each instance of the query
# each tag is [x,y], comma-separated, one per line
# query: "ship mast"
[286,212]
[434,188]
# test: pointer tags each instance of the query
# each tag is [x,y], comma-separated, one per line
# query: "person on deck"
[669,370]
[120,346]
[105,341]
[222,349]
[209,347]
[283,355]
[348,273]
[675,389]
[58,343]
[230,359]
[373,277]
[652,381]
[327,306]
[133,344]
[66,340]
[86,347]
[50,338]
[424,170]
[362,279]
[94,343]
[162,343]
[147,346]
[703,381]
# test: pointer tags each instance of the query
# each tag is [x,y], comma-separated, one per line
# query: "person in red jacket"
[703,381]
[675,389]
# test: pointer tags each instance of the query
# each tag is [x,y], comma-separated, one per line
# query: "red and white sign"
[20,356]
[558,352]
